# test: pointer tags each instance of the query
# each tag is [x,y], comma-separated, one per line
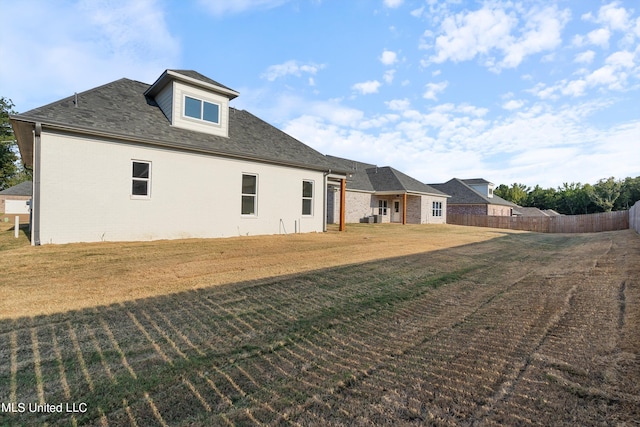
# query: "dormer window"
[201,110]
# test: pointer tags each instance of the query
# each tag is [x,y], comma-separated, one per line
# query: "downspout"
[324,201]
[35,198]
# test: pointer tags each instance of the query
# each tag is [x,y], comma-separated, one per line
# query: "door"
[396,213]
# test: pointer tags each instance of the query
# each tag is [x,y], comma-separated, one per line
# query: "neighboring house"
[474,197]
[131,161]
[15,201]
[387,195]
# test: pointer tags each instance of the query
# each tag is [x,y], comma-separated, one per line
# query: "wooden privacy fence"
[605,221]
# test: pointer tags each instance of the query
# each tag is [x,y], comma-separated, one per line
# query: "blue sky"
[535,92]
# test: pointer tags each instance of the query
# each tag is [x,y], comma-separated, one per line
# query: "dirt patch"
[57,278]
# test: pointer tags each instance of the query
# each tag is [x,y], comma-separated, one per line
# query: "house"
[385,194]
[131,161]
[474,197]
[15,201]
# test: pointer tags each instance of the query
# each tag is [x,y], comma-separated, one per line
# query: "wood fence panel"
[605,221]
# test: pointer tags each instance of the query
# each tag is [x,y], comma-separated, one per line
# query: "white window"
[141,179]
[249,194]
[307,197]
[382,207]
[201,110]
[436,208]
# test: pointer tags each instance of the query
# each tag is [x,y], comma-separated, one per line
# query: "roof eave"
[23,132]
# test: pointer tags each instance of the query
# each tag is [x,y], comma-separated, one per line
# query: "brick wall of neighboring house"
[415,210]
[466,209]
[499,210]
[358,206]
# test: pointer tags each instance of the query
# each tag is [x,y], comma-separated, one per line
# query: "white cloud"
[223,7]
[495,31]
[289,68]
[92,43]
[392,4]
[585,57]
[417,13]
[432,89]
[467,35]
[614,17]
[367,87]
[513,104]
[388,57]
[388,76]
[599,37]
[398,104]
[623,59]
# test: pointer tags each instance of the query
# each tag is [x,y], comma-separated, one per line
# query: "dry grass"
[522,329]
[56,278]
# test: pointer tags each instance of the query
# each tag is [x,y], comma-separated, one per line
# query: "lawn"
[470,326]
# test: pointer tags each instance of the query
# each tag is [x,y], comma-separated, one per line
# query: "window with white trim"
[307,197]
[201,110]
[436,208]
[141,179]
[382,207]
[249,194]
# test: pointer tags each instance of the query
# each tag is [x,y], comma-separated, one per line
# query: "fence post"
[16,228]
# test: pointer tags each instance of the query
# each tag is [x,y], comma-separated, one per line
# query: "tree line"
[12,170]
[608,194]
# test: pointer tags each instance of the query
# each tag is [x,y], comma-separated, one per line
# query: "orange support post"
[404,208]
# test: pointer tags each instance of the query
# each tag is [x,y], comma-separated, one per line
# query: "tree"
[573,199]
[12,171]
[605,193]
[629,193]
[542,198]
[517,193]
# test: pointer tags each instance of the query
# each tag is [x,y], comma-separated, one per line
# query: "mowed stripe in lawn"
[451,336]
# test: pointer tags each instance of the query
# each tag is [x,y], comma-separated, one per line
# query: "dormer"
[192,101]
[481,186]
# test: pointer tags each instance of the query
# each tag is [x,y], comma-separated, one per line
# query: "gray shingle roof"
[23,189]
[196,75]
[368,177]
[120,109]
[461,193]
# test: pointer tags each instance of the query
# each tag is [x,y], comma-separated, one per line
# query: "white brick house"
[131,161]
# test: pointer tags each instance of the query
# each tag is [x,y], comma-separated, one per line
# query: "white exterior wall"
[86,194]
